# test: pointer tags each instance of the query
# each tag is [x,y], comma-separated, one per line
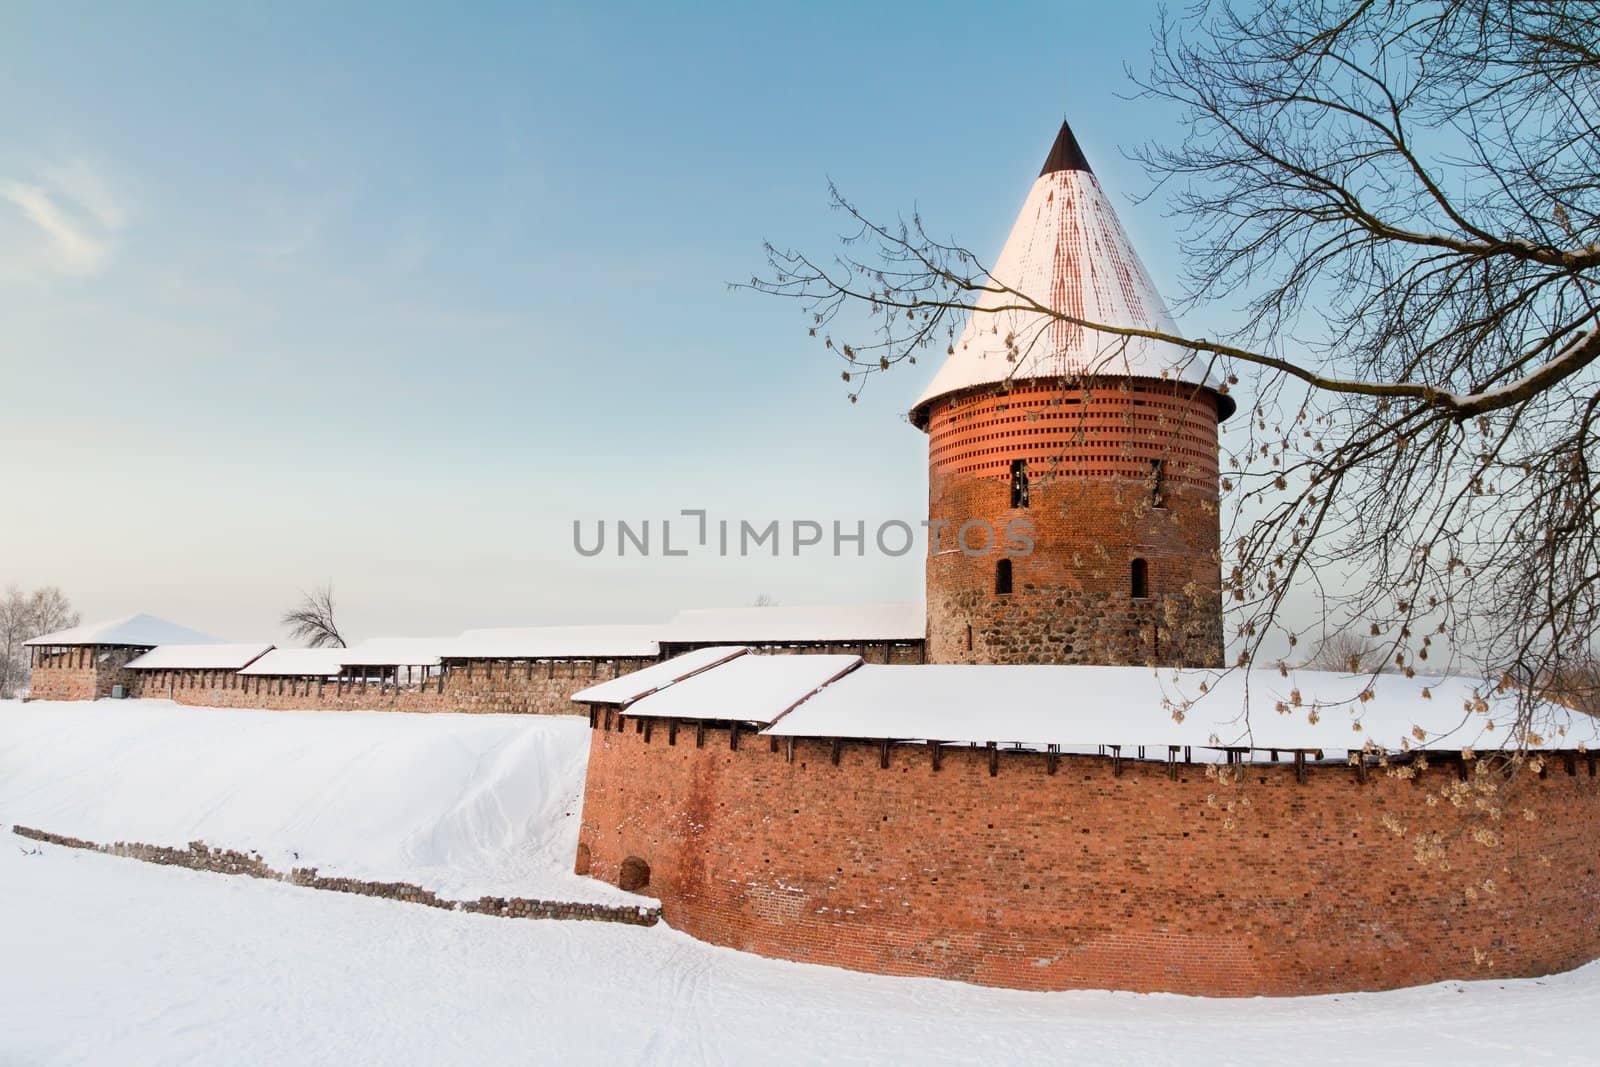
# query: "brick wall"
[80,673]
[1090,879]
[538,688]
[1094,508]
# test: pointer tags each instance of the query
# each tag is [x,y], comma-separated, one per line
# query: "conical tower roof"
[1067,250]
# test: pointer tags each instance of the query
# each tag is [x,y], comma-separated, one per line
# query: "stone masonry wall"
[1087,878]
[199,856]
[80,673]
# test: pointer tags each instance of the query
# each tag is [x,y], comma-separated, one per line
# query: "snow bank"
[465,805]
[116,962]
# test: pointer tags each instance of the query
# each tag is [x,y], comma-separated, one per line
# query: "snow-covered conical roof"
[132,631]
[1067,250]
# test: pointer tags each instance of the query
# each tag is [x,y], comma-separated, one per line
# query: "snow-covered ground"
[106,960]
[465,805]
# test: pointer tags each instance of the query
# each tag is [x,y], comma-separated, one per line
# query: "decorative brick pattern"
[1091,878]
[1095,507]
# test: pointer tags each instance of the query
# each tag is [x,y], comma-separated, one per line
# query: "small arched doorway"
[634,875]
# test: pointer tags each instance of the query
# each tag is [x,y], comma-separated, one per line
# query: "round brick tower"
[1072,474]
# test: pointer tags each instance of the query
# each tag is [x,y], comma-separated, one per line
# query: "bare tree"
[1405,201]
[764,600]
[24,616]
[1344,651]
[312,620]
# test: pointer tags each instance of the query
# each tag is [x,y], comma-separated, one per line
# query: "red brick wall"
[540,688]
[1085,879]
[1089,456]
[509,687]
[81,673]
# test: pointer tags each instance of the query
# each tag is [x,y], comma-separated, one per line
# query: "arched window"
[1141,579]
[1002,578]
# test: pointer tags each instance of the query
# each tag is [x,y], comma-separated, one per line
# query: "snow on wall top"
[1079,706]
[557,642]
[199,657]
[787,624]
[1067,251]
[397,652]
[298,663]
[748,688]
[131,631]
[627,688]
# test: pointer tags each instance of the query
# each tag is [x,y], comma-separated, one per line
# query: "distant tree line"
[24,616]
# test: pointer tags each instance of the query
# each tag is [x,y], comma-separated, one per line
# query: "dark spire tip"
[1065,154]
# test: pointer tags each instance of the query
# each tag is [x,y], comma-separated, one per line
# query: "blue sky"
[392,295]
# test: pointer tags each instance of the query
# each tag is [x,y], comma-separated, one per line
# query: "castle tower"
[1099,450]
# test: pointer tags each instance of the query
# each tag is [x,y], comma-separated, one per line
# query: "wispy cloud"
[76,215]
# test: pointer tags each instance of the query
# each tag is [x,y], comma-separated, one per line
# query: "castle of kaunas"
[1043,777]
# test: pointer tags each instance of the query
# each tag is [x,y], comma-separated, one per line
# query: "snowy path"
[105,960]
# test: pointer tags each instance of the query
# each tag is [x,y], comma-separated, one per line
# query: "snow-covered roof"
[1067,251]
[132,631]
[398,652]
[627,688]
[199,657]
[1130,706]
[749,688]
[298,663]
[789,624]
[557,642]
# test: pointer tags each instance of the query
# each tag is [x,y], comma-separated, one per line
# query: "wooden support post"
[883,754]
[1571,763]
[1172,762]
[935,751]
[1461,768]
[994,759]
[672,731]
[1589,759]
[1186,755]
[1361,767]
[788,749]
[699,735]
[594,716]
[1052,756]
[608,720]
[638,726]
[443,670]
[773,743]
[733,736]
[1141,752]
[648,723]
[1299,765]
[1116,761]
[838,745]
